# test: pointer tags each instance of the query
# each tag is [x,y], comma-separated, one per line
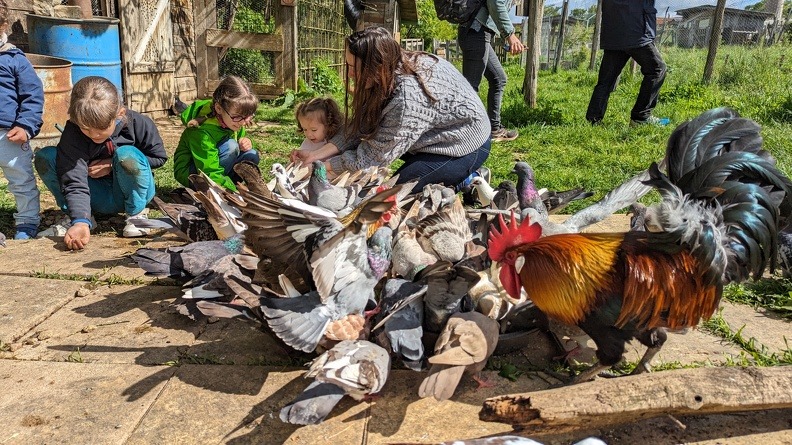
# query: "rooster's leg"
[653,339]
[589,374]
[644,365]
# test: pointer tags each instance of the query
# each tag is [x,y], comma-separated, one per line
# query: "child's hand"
[100,168]
[245,145]
[17,135]
[77,236]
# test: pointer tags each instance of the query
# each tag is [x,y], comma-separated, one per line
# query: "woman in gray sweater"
[407,105]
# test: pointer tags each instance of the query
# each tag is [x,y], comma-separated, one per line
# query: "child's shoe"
[133,231]
[26,231]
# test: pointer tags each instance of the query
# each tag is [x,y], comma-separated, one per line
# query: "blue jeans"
[440,169]
[16,161]
[229,154]
[653,69]
[479,60]
[128,189]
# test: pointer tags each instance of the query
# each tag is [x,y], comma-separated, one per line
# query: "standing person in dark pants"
[628,30]
[479,58]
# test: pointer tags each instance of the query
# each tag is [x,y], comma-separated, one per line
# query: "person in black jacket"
[628,30]
[103,162]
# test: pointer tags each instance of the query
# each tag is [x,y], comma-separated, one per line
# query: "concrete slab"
[114,324]
[767,328]
[105,257]
[45,402]
[27,302]
[240,405]
[236,342]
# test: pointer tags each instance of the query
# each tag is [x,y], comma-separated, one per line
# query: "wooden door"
[147,53]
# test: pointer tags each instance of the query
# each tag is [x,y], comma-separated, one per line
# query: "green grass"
[753,353]
[769,293]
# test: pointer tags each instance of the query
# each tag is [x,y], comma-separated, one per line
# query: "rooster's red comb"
[514,234]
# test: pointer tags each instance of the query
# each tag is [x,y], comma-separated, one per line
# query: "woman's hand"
[17,135]
[77,236]
[100,168]
[245,145]
[516,45]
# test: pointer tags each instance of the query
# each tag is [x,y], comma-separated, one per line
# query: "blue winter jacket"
[627,24]
[21,92]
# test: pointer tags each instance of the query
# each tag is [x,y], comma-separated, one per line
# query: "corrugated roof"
[687,12]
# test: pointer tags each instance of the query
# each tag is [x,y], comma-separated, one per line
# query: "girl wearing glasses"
[216,141]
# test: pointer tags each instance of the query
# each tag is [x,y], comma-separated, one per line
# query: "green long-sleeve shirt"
[198,145]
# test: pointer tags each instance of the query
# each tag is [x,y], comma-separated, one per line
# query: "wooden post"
[595,40]
[286,61]
[714,40]
[534,38]
[206,62]
[607,402]
[560,42]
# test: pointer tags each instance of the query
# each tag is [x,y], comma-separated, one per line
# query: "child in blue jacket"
[21,107]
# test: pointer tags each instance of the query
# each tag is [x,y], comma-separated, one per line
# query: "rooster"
[723,204]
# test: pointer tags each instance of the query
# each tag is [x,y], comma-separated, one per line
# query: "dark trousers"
[479,60]
[653,69]
[430,168]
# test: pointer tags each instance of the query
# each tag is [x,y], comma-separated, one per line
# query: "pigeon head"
[277,169]
[523,170]
[319,171]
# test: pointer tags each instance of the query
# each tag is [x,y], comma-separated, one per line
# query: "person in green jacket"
[214,140]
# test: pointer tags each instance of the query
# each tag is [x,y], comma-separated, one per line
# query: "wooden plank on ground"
[245,40]
[262,90]
[606,402]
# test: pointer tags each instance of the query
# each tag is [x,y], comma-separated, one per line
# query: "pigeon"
[221,206]
[638,217]
[527,194]
[2,239]
[465,344]
[251,175]
[555,201]
[505,196]
[346,272]
[484,191]
[187,221]
[322,193]
[355,368]
[446,288]
[445,233]
[283,184]
[401,319]
[185,262]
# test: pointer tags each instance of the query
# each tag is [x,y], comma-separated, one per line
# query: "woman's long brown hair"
[379,60]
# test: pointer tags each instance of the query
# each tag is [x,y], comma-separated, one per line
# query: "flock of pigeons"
[359,270]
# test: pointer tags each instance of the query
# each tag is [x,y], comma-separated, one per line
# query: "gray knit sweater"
[455,125]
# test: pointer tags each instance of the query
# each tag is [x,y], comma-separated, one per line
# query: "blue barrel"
[91,45]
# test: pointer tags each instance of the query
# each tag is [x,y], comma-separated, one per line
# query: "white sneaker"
[60,227]
[133,231]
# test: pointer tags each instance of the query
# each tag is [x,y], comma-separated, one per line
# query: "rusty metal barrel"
[55,75]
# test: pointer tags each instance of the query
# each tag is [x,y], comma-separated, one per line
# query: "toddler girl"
[319,119]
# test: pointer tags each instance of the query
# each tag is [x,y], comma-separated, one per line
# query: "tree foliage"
[429,26]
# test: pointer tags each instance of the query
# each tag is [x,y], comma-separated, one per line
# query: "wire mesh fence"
[321,32]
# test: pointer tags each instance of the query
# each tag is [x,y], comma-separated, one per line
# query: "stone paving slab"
[104,257]
[240,405]
[77,403]
[26,302]
[767,328]
[113,324]
[235,342]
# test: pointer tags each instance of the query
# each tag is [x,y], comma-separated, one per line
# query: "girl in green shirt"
[218,142]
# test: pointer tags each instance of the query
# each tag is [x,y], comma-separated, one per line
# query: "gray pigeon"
[555,201]
[445,233]
[447,287]
[322,193]
[402,321]
[467,341]
[527,193]
[355,368]
[505,196]
[2,239]
[185,262]
[188,221]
